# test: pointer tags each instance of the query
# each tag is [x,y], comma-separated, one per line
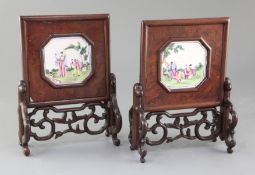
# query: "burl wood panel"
[155,34]
[36,30]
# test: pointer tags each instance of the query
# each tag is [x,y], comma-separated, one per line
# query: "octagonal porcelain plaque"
[67,60]
[183,65]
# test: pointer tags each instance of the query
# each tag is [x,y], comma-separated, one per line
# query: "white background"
[83,154]
[57,45]
[193,53]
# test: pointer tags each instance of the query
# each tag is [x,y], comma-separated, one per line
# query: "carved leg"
[115,115]
[21,126]
[25,131]
[142,152]
[107,130]
[230,117]
[138,115]
[230,141]
[142,138]
[116,126]
[130,138]
[216,120]
[24,122]
[130,126]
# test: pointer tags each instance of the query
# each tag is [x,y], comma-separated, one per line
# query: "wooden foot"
[142,152]
[230,142]
[115,115]
[142,160]
[26,150]
[115,140]
[107,133]
[132,148]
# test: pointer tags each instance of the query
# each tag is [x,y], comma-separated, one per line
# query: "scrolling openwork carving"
[182,123]
[220,123]
[69,121]
[109,115]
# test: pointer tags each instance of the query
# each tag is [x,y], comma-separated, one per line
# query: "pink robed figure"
[61,64]
[189,72]
[77,65]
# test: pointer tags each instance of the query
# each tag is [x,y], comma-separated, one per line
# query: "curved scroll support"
[229,116]
[154,128]
[110,119]
[214,125]
[142,124]
[219,123]
[24,124]
[40,124]
[71,123]
[115,123]
[184,123]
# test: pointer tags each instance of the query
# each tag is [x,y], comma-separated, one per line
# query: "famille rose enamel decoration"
[67,60]
[183,64]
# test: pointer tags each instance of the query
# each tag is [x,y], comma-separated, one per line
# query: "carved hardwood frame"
[59,18]
[28,109]
[220,124]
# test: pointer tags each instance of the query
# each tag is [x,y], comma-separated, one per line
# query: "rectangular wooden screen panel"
[169,83]
[47,84]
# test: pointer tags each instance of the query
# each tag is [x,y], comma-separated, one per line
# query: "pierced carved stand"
[111,117]
[222,124]
[66,64]
[163,85]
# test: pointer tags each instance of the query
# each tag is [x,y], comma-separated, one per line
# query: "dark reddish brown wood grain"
[37,29]
[155,34]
